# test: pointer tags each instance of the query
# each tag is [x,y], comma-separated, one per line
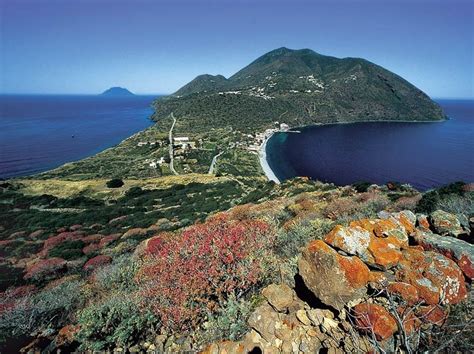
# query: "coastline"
[262,155]
[262,152]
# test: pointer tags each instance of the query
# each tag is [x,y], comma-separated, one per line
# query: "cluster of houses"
[156,163]
[260,138]
[182,145]
[157,143]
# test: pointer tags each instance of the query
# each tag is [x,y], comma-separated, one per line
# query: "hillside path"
[213,163]
[171,145]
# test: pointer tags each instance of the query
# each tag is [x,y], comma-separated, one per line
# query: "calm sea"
[425,155]
[41,132]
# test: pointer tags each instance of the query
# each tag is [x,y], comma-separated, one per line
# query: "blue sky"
[154,46]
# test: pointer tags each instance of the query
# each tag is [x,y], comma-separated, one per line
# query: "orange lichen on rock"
[356,272]
[466,265]
[379,278]
[333,278]
[385,251]
[437,278]
[409,320]
[66,335]
[383,227]
[406,291]
[374,318]
[406,223]
[366,224]
[432,314]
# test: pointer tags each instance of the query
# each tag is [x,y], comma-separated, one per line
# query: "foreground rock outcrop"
[375,283]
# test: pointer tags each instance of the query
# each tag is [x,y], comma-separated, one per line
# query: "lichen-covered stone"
[385,252]
[437,278]
[458,250]
[422,222]
[333,278]
[433,314]
[352,240]
[407,292]
[445,223]
[374,318]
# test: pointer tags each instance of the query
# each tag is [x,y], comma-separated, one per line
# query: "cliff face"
[302,87]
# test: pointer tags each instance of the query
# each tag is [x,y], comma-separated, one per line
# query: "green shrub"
[288,242]
[44,312]
[119,275]
[361,186]
[446,196]
[114,183]
[230,321]
[117,321]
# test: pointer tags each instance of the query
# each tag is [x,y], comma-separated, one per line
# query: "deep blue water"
[40,132]
[424,155]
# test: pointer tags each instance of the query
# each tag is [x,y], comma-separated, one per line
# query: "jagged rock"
[279,296]
[445,224]
[303,317]
[374,318]
[437,278]
[458,250]
[317,316]
[422,222]
[333,278]
[328,324]
[352,240]
[263,320]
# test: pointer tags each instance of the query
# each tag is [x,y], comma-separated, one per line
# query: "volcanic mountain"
[299,87]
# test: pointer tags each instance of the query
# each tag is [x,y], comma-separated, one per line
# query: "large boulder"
[458,250]
[437,278]
[388,227]
[333,278]
[445,224]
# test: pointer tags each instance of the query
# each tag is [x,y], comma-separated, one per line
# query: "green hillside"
[298,87]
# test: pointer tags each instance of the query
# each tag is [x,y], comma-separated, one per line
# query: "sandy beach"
[262,155]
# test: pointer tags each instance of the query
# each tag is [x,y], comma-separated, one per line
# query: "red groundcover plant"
[193,272]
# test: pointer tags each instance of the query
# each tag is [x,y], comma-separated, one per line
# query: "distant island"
[117,91]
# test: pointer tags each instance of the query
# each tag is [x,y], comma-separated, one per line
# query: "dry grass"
[96,187]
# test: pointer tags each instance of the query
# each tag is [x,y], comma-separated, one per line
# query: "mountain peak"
[117,91]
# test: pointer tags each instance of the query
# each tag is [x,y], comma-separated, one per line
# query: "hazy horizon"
[155,47]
